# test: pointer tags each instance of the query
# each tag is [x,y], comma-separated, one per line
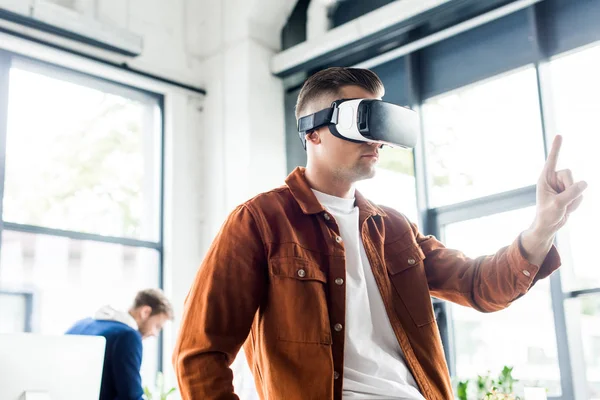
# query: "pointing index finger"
[552,160]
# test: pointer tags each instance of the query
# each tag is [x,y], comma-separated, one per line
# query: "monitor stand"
[35,395]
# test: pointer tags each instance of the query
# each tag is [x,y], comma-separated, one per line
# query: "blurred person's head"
[328,155]
[151,310]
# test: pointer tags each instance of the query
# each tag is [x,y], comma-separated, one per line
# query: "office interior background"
[130,128]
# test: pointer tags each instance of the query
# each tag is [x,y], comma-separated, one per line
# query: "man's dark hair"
[156,300]
[328,82]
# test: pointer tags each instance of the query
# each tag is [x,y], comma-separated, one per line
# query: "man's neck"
[325,183]
[133,315]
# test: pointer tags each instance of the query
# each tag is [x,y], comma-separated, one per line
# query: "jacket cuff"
[526,273]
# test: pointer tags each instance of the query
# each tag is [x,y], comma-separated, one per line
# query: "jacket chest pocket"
[407,273]
[297,301]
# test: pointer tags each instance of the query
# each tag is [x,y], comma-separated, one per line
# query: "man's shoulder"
[80,326]
[275,194]
[119,329]
[91,326]
[393,214]
[273,200]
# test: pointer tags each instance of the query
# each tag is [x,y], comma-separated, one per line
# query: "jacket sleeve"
[487,283]
[220,308]
[126,364]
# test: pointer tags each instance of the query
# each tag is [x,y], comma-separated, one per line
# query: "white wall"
[243,114]
[220,149]
[235,39]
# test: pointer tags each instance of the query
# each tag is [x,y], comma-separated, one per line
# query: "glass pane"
[80,158]
[71,279]
[583,319]
[394,183]
[13,318]
[522,335]
[575,87]
[484,139]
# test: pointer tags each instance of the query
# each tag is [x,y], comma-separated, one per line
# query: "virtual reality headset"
[365,121]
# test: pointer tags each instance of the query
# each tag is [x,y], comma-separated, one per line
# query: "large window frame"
[7,59]
[433,220]
[543,31]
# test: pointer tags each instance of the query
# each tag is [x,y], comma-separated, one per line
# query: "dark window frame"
[547,38]
[6,61]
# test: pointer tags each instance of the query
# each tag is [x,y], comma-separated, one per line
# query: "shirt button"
[526,273]
[339,281]
[336,375]
[338,239]
[338,327]
[326,216]
[301,273]
[411,261]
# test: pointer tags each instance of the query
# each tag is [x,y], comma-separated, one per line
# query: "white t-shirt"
[374,366]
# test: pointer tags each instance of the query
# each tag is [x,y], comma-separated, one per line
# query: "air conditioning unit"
[64,22]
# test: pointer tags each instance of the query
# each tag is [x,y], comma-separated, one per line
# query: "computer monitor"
[65,367]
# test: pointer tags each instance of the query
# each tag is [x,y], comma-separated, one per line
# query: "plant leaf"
[147,393]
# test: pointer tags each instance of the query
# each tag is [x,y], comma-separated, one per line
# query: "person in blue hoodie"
[124,332]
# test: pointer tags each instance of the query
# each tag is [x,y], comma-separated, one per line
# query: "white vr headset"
[365,120]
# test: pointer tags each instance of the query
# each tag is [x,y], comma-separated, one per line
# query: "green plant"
[461,390]
[161,393]
[506,380]
[489,388]
[484,385]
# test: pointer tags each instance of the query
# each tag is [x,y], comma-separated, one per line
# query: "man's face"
[152,325]
[344,159]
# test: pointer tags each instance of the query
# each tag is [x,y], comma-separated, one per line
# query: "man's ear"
[145,311]
[313,137]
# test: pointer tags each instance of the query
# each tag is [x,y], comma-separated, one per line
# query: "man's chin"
[366,174]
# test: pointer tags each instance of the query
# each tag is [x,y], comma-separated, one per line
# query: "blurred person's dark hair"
[156,300]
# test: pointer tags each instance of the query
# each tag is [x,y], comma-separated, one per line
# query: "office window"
[574,86]
[71,279]
[81,205]
[583,317]
[394,182]
[483,139]
[80,157]
[15,312]
[522,335]
[479,96]
[575,103]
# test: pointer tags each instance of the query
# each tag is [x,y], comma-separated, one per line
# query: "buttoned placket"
[379,271]
[337,293]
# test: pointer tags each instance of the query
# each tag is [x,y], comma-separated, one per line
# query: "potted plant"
[489,388]
[161,392]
